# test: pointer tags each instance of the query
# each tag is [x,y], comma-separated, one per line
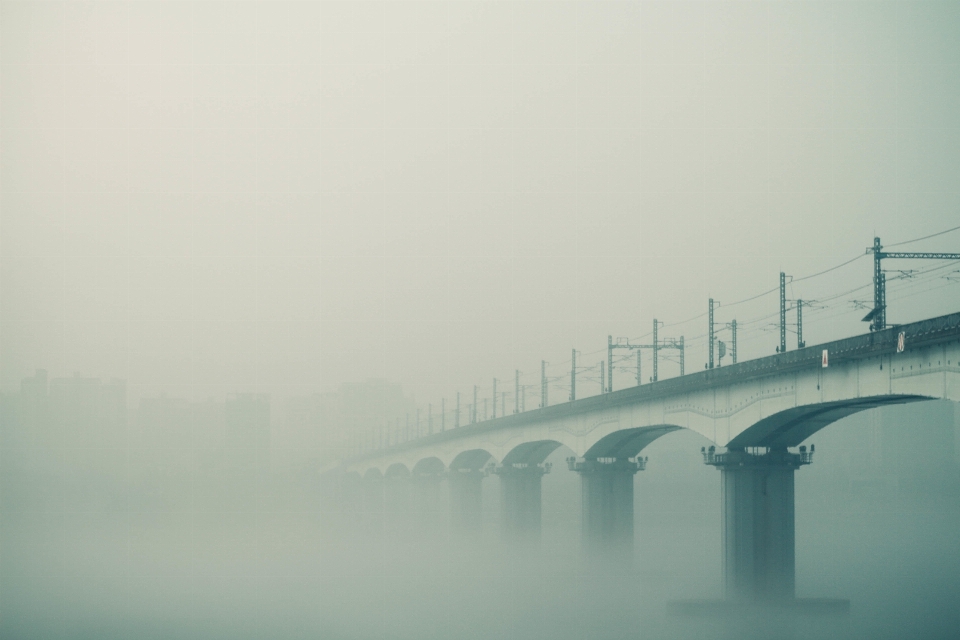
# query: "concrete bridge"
[755,412]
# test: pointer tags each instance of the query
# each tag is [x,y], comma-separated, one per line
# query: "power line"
[932,235]
[675,324]
[829,270]
[909,281]
[759,295]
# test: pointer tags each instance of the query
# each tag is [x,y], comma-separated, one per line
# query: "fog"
[243,242]
[219,541]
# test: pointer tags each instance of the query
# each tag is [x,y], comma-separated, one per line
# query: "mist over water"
[146,545]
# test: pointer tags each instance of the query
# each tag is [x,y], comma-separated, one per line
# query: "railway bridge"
[757,413]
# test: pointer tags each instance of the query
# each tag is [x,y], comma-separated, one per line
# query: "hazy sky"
[207,197]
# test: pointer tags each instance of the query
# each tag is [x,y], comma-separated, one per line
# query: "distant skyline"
[203,198]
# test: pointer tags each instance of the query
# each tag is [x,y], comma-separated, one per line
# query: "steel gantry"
[878,316]
[655,347]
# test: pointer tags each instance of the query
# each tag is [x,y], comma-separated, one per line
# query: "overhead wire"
[906,280]
[820,273]
[932,235]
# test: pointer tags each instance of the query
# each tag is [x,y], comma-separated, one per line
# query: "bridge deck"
[917,335]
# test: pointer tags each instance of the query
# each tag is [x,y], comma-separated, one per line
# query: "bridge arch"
[373,475]
[428,466]
[627,443]
[531,453]
[472,459]
[792,426]
[397,470]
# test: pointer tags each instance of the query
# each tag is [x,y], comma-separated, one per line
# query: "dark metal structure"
[656,347]
[878,316]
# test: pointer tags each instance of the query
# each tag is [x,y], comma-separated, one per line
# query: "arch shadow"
[791,427]
[627,443]
[531,453]
[428,466]
[397,470]
[472,460]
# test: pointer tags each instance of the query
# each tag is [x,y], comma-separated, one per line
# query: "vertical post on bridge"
[573,375]
[879,289]
[516,392]
[543,384]
[800,343]
[783,313]
[733,340]
[682,350]
[609,364]
[494,398]
[456,416]
[639,379]
[474,409]
[656,346]
[710,334]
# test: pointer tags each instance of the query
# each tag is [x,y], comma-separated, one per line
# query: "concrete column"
[606,490]
[352,503]
[757,494]
[373,494]
[330,501]
[370,516]
[521,506]
[466,511]
[425,501]
[396,502]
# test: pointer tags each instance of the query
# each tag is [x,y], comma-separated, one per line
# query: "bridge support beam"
[349,508]
[373,503]
[521,505]
[466,507]
[606,490]
[396,502]
[758,524]
[425,502]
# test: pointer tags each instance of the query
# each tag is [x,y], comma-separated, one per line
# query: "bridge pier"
[521,505]
[373,494]
[396,501]
[466,506]
[606,490]
[758,523]
[351,503]
[425,500]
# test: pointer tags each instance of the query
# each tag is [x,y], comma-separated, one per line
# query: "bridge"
[757,413]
